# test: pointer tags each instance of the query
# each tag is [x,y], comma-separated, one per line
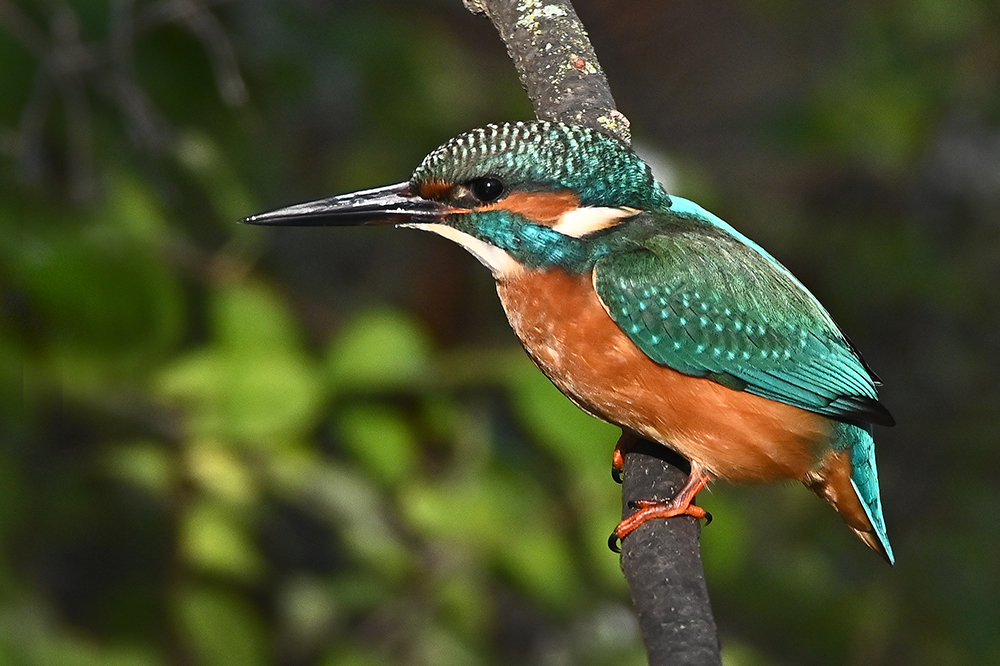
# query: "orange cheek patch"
[435,189]
[542,207]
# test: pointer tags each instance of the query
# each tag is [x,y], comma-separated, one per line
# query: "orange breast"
[736,435]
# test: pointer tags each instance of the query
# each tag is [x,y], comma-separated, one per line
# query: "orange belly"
[736,435]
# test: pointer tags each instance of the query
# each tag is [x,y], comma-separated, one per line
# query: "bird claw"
[625,444]
[648,509]
[628,525]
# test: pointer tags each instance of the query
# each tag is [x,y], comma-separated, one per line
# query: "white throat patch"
[497,260]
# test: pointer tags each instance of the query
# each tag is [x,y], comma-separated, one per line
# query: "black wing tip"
[880,414]
[865,410]
[888,419]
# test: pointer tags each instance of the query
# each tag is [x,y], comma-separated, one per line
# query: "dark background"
[239,446]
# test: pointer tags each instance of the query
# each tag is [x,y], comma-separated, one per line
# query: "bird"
[647,311]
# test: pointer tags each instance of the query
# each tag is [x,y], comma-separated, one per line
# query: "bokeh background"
[228,446]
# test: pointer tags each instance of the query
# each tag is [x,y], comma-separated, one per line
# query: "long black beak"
[392,204]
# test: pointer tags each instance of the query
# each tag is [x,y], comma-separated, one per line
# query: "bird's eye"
[486,190]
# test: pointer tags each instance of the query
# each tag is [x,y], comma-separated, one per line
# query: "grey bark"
[556,62]
[661,559]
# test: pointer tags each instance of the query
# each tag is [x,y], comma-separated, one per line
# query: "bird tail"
[848,479]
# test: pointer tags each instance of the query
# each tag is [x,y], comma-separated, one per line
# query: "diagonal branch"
[661,559]
[556,62]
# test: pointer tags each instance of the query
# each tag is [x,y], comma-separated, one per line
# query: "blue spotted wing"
[698,297]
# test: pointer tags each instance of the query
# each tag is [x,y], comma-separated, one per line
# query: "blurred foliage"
[307,447]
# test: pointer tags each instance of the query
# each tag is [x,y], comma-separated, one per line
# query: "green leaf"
[214,540]
[250,318]
[104,303]
[260,400]
[252,384]
[220,628]
[583,446]
[726,551]
[133,208]
[507,520]
[145,464]
[381,439]
[479,512]
[379,350]
[582,442]
[222,473]
[461,592]
[538,558]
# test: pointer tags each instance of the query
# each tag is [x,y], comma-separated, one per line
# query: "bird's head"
[535,194]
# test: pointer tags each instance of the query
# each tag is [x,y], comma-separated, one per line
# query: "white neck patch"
[581,221]
[498,261]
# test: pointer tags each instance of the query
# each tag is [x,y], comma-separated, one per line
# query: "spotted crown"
[544,155]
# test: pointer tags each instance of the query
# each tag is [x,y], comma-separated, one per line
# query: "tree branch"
[556,62]
[662,564]
[661,559]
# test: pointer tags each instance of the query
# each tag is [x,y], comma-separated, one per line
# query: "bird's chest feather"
[569,335]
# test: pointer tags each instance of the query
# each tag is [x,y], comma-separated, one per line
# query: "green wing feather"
[703,301]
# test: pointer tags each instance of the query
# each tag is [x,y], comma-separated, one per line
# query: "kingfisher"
[648,312]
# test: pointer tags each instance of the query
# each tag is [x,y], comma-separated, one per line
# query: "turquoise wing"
[864,476]
[698,297]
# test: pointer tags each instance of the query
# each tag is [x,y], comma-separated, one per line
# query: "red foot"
[624,445]
[681,504]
